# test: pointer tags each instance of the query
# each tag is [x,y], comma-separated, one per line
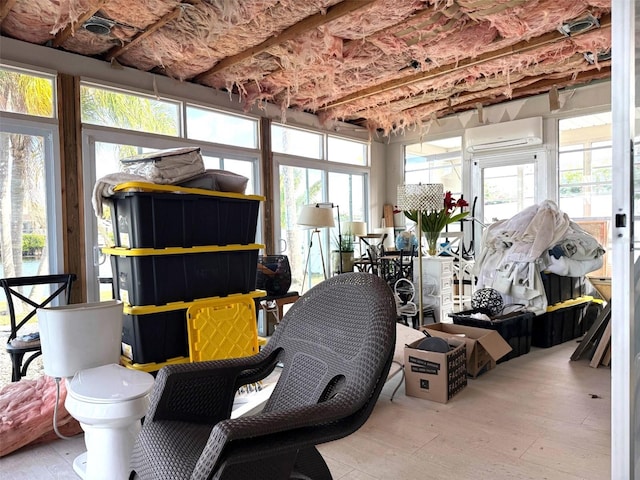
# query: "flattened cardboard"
[484,346]
[435,376]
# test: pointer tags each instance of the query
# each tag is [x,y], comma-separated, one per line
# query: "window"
[140,113]
[304,181]
[26,92]
[157,121]
[294,141]
[346,151]
[24,209]
[435,161]
[28,189]
[218,127]
[584,176]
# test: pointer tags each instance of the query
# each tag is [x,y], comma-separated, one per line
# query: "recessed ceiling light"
[98,25]
[577,26]
[601,57]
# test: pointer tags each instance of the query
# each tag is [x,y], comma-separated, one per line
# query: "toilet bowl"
[109,402]
[81,343]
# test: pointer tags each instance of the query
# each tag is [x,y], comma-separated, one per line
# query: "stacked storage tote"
[184,264]
[565,318]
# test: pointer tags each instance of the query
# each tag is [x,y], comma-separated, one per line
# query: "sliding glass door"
[625,305]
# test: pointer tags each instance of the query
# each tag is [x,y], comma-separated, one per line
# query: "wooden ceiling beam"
[426,12]
[542,85]
[168,17]
[547,79]
[6,8]
[314,21]
[518,48]
[63,35]
[523,88]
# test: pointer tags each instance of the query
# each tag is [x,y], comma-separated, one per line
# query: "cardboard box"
[435,376]
[484,347]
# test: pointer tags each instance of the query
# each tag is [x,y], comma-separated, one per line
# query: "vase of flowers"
[435,221]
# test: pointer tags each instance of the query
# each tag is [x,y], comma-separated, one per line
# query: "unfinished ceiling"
[383,64]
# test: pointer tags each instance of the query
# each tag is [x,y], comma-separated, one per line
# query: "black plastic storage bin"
[561,323]
[560,289]
[160,220]
[154,334]
[158,277]
[515,328]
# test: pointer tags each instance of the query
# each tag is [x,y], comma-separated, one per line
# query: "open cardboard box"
[484,347]
[433,375]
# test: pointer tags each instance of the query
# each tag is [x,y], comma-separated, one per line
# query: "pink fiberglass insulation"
[38,23]
[26,412]
[386,63]
[364,62]
[200,37]
[138,14]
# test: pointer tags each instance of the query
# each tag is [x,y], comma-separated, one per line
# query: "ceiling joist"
[172,15]
[314,21]
[518,48]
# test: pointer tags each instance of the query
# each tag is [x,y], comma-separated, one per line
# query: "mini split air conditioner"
[500,136]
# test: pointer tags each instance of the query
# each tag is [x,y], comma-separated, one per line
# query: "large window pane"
[23,205]
[346,151]
[112,108]
[507,190]
[25,92]
[217,127]
[294,141]
[299,187]
[437,161]
[585,176]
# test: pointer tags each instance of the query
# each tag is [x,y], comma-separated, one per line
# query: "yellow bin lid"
[223,328]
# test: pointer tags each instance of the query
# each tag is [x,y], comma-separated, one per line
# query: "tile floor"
[538,416]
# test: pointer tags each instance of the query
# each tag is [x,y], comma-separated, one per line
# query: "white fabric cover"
[515,251]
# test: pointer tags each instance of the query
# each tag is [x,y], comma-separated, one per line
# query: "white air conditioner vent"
[499,136]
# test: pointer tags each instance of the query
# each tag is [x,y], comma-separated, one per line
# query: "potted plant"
[344,249]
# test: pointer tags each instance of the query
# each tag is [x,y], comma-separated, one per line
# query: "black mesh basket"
[274,274]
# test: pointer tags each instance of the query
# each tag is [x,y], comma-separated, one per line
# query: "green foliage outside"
[32,244]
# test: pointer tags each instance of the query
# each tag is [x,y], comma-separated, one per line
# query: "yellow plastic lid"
[154,187]
[570,303]
[231,298]
[143,252]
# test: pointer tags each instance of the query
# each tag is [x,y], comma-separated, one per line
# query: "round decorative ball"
[487,299]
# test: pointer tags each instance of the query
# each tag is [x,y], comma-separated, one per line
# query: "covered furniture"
[21,342]
[335,344]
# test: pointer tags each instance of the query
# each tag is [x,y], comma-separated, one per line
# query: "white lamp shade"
[421,197]
[354,228]
[316,217]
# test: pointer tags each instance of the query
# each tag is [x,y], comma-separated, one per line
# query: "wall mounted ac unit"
[500,136]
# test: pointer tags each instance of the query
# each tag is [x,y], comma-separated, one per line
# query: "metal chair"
[19,344]
[336,345]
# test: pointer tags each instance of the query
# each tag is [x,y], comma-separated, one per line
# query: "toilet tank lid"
[110,383]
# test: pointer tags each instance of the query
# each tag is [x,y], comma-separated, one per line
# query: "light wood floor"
[538,416]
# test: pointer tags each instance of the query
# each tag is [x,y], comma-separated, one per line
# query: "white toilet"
[81,342]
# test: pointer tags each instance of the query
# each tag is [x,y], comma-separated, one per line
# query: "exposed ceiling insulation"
[382,64]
